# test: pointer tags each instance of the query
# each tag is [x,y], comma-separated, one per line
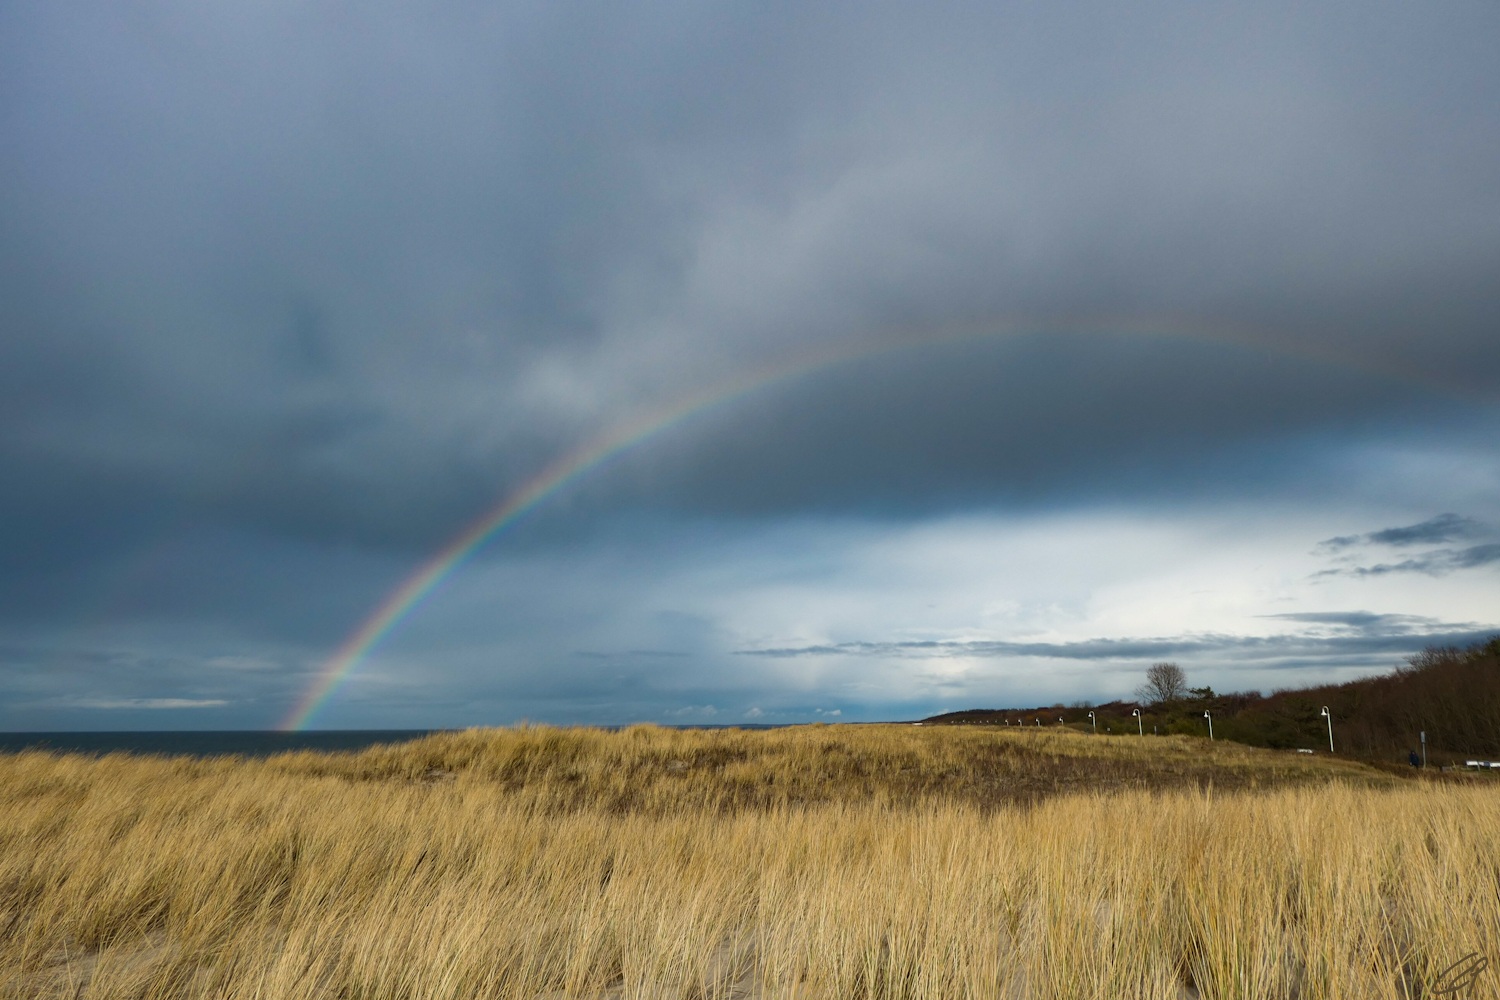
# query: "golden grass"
[820,862]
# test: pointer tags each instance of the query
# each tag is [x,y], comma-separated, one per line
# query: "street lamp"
[1038,723]
[1325,715]
[1059,720]
[1210,719]
[1139,725]
[1095,722]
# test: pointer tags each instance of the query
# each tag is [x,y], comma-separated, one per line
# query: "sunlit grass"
[829,862]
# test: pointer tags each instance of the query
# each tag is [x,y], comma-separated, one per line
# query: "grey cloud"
[356,275]
[1438,563]
[310,288]
[1019,420]
[1477,555]
[201,584]
[1362,621]
[123,678]
[1297,649]
[1442,528]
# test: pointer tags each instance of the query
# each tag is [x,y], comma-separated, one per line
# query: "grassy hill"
[885,862]
[649,769]
[1454,695]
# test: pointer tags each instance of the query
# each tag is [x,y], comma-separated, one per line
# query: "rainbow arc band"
[406,597]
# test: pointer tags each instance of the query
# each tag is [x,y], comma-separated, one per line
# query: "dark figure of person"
[1415,760]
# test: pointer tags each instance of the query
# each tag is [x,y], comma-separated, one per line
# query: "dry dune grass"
[655,770]
[839,862]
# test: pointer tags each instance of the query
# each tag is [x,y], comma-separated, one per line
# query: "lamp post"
[1039,723]
[1210,719]
[1139,725]
[1095,723]
[1325,715]
[1059,720]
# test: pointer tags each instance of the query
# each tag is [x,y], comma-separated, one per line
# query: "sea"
[216,743]
[245,742]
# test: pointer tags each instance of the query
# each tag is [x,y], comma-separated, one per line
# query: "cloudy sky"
[959,355]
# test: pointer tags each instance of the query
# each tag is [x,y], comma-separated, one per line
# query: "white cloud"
[687,710]
[146,703]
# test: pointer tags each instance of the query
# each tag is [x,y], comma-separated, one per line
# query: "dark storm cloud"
[1026,420]
[356,273]
[312,280]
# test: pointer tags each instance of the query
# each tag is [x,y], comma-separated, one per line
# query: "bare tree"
[1164,682]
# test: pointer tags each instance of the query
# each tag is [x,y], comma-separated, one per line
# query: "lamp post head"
[1135,711]
[1091,715]
[1207,716]
[1325,710]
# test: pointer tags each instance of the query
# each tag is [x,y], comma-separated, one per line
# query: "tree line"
[1451,694]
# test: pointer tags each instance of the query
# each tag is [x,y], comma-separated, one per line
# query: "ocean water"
[250,743]
[247,742]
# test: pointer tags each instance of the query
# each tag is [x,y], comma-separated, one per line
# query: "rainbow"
[405,598]
[401,601]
